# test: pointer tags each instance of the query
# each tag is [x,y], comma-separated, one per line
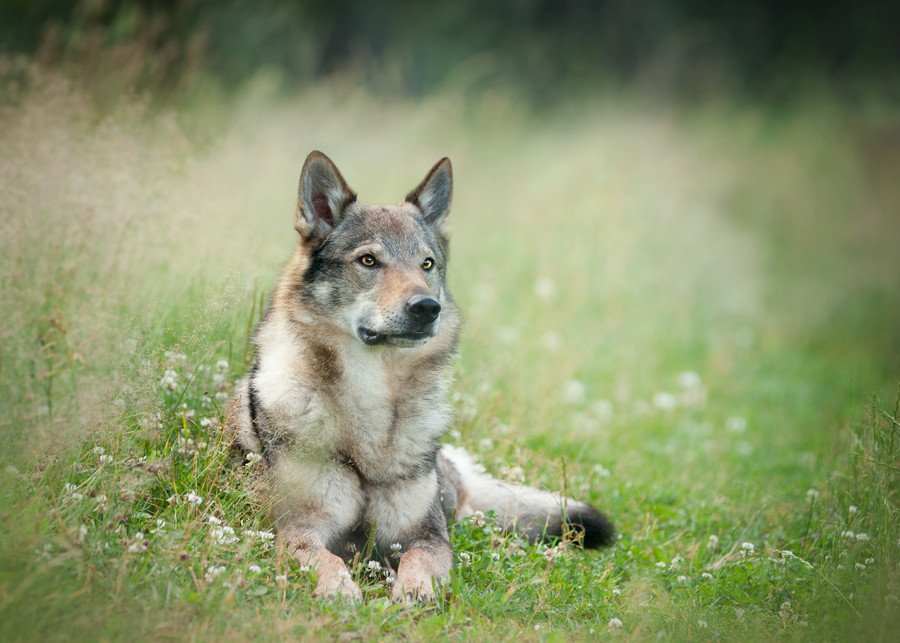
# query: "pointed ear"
[321,197]
[432,196]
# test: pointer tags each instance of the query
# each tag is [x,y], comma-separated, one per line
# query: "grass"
[687,318]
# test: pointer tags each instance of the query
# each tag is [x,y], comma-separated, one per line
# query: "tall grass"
[681,316]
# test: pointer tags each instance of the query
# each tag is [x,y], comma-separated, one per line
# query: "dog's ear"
[432,196]
[321,197]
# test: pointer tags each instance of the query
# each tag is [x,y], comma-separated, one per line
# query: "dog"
[348,396]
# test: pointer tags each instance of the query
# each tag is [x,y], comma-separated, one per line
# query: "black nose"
[422,309]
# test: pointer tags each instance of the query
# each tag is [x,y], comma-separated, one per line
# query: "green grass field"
[688,317]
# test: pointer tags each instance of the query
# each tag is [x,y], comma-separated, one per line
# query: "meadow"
[689,317]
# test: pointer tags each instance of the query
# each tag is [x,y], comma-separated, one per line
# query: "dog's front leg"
[318,501]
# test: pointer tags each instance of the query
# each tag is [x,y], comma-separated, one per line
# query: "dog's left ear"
[432,196]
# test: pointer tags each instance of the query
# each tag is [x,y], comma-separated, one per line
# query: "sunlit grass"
[687,319]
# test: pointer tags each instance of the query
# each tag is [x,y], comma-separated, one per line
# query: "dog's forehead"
[396,227]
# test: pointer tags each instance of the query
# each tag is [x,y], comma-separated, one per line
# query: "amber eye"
[368,261]
[428,264]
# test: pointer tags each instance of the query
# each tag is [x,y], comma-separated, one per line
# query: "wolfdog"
[347,399]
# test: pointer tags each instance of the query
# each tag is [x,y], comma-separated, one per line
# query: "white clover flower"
[545,288]
[169,380]
[616,591]
[222,365]
[281,579]
[261,534]
[205,422]
[137,543]
[601,471]
[221,396]
[812,494]
[495,556]
[223,534]
[860,567]
[485,444]
[71,488]
[702,625]
[682,579]
[305,569]
[82,532]
[615,623]
[847,534]
[862,537]
[374,565]
[573,392]
[870,561]
[253,459]
[389,578]
[396,547]
[661,565]
[465,558]
[747,548]
[713,541]
[689,379]
[706,576]
[852,509]
[194,499]
[665,401]
[214,571]
[99,450]
[736,424]
[254,568]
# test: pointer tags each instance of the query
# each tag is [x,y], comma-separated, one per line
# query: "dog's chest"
[387,419]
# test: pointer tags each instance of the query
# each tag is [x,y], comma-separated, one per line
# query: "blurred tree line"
[759,47]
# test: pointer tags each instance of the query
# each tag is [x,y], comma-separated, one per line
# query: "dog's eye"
[368,261]
[428,264]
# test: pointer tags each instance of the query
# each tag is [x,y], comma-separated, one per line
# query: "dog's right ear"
[321,198]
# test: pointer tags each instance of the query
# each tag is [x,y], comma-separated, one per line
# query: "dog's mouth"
[374,338]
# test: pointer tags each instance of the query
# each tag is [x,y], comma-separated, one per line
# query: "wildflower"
[82,532]
[137,544]
[465,558]
[661,565]
[812,494]
[514,474]
[396,547]
[261,534]
[689,379]
[222,365]
[616,591]
[736,424]
[665,401]
[389,578]
[281,579]
[213,571]
[615,623]
[870,561]
[702,625]
[601,471]
[852,509]
[477,519]
[747,549]
[223,534]
[847,534]
[674,563]
[860,567]
[254,568]
[744,448]
[682,579]
[862,537]
[495,556]
[205,422]
[713,541]
[221,396]
[71,488]
[706,576]
[485,444]
[456,435]
[573,392]
[169,380]
[545,288]
[603,410]
[194,499]
[253,459]
[305,569]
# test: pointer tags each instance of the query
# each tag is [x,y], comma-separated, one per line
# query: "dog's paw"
[341,587]
[411,591]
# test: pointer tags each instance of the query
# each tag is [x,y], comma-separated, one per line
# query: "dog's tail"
[531,512]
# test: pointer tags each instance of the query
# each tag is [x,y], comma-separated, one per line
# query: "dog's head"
[377,272]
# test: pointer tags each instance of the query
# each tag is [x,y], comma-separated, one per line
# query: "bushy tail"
[528,511]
